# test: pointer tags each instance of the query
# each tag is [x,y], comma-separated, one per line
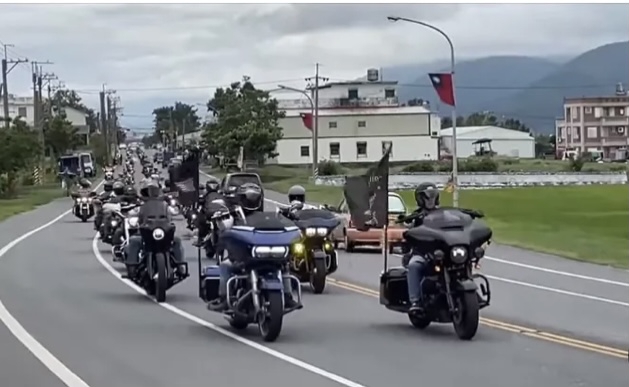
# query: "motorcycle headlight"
[134,222]
[458,255]
[158,234]
[299,249]
[269,251]
[84,200]
[322,231]
[114,223]
[194,216]
[311,231]
[173,202]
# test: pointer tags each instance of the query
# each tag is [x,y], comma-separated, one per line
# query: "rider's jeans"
[226,270]
[134,247]
[414,276]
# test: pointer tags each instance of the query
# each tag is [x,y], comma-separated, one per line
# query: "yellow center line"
[529,332]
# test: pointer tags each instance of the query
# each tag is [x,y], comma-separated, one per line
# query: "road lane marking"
[530,332]
[249,343]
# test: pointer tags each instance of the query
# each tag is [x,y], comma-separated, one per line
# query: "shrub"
[576,164]
[330,168]
[420,166]
[484,164]
[444,166]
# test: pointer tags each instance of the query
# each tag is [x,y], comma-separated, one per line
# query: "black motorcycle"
[452,241]
[157,270]
[314,256]
[83,207]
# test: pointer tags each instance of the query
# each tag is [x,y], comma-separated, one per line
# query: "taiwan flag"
[306,118]
[443,86]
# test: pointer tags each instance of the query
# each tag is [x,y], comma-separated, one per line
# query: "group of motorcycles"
[279,251]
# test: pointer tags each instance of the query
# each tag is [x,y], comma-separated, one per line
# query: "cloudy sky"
[155,54]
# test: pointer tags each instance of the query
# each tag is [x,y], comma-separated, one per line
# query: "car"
[350,237]
[232,181]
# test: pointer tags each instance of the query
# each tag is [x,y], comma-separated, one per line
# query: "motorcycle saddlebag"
[210,277]
[394,287]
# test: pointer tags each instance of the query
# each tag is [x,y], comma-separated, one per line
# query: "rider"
[153,205]
[427,199]
[205,210]
[250,200]
[82,187]
[116,197]
[296,193]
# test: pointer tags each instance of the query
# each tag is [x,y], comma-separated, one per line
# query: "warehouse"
[505,142]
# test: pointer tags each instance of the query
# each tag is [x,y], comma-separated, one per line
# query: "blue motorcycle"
[259,250]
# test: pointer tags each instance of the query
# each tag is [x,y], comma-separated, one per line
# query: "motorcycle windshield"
[450,227]
[316,218]
[265,229]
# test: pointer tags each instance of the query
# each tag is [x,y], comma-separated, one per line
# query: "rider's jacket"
[154,209]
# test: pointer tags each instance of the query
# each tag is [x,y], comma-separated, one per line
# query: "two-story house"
[594,124]
[24,107]
[358,121]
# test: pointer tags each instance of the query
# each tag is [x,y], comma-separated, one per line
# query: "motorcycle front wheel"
[161,282]
[466,318]
[272,316]
[318,276]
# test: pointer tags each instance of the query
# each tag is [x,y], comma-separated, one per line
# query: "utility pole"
[315,131]
[103,122]
[5,87]
[47,78]
[37,103]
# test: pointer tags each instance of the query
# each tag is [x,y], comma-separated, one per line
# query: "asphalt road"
[111,336]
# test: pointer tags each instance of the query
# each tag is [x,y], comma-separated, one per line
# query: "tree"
[60,136]
[19,149]
[446,122]
[99,148]
[246,117]
[486,119]
[70,98]
[172,121]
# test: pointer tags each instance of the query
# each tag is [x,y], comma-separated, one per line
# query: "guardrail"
[484,180]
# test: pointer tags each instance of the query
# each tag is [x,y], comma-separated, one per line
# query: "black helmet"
[212,184]
[249,196]
[129,190]
[297,193]
[84,183]
[427,196]
[151,190]
[108,186]
[118,188]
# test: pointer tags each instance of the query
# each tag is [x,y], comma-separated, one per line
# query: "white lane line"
[559,272]
[251,344]
[55,366]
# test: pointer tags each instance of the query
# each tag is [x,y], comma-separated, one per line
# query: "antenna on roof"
[620,89]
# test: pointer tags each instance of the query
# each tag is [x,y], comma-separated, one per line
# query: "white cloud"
[153,46]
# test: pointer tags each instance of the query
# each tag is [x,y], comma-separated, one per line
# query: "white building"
[505,142]
[357,122]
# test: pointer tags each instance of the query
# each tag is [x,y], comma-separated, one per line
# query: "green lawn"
[589,223]
[28,199]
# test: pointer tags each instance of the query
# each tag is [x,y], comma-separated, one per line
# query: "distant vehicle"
[122,146]
[232,181]
[87,164]
[347,234]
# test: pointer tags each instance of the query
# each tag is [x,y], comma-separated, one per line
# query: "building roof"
[371,111]
[489,131]
[354,83]
[620,99]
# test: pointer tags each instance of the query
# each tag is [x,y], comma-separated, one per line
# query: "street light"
[314,134]
[455,166]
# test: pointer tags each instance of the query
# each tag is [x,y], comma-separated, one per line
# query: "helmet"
[118,188]
[427,196]
[212,184]
[108,186]
[84,183]
[150,190]
[129,190]
[296,193]
[249,196]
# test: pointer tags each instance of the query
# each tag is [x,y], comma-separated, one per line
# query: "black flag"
[367,196]
[186,179]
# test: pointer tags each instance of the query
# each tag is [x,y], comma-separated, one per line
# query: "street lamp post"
[314,134]
[455,166]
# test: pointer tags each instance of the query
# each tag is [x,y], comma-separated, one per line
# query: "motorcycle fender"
[318,255]
[466,286]
[271,284]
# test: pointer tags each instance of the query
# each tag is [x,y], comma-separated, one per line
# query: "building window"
[592,132]
[332,124]
[335,150]
[361,149]
[389,93]
[352,94]
[305,151]
[387,145]
[587,110]
[21,111]
[362,124]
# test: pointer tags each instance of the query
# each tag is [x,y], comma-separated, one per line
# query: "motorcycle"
[109,174]
[157,270]
[83,207]
[314,256]
[256,293]
[127,225]
[452,241]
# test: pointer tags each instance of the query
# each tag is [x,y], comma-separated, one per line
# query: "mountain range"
[530,89]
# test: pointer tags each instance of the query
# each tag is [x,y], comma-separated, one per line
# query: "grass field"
[589,223]
[28,199]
